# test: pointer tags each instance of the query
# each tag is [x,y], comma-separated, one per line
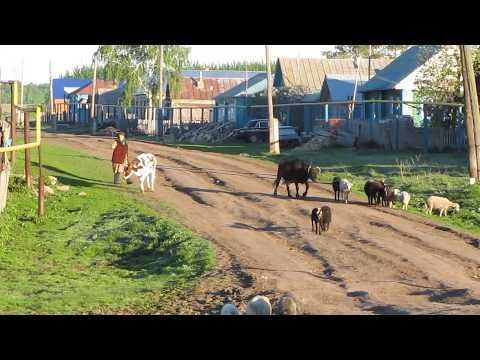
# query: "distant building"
[62,88]
[397,82]
[83,95]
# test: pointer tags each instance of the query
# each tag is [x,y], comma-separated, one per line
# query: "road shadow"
[289,230]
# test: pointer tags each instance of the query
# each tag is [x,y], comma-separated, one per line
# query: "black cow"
[295,171]
[375,191]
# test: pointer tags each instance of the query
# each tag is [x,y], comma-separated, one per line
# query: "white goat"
[259,305]
[345,188]
[402,197]
[441,203]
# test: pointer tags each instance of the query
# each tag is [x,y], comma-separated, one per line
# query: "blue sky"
[35,58]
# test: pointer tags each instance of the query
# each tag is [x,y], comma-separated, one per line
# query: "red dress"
[120,153]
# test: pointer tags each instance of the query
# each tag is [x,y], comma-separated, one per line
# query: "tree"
[378,51]
[440,80]
[239,66]
[139,66]
[86,72]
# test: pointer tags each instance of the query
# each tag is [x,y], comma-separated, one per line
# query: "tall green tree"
[86,72]
[139,66]
[348,51]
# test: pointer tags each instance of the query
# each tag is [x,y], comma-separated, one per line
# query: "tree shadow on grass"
[71,179]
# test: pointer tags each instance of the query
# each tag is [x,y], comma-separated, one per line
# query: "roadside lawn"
[422,175]
[103,252]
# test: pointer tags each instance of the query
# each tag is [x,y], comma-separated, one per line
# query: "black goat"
[375,191]
[321,218]
[336,187]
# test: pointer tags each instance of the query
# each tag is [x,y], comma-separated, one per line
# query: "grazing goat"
[297,172]
[229,309]
[321,218]
[375,191]
[144,166]
[441,203]
[259,305]
[403,197]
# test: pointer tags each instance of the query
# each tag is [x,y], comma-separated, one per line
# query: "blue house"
[397,82]
[62,87]
[231,104]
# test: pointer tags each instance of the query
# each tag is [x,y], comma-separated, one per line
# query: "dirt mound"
[109,131]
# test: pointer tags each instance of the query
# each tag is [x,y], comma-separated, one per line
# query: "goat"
[321,218]
[441,203]
[259,305]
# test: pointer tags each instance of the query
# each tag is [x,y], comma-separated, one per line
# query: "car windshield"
[252,124]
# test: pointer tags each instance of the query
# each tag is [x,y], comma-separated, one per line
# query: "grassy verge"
[105,251]
[422,175]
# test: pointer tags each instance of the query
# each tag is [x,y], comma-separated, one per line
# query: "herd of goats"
[299,172]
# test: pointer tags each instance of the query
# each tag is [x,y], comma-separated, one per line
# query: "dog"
[144,166]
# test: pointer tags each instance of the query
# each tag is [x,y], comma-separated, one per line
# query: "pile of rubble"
[108,131]
[320,139]
[214,132]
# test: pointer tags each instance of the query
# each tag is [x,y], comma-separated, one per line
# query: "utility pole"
[272,121]
[21,93]
[369,60]
[13,117]
[471,107]
[94,88]
[160,90]
[52,110]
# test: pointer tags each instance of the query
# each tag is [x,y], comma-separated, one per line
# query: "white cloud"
[65,57]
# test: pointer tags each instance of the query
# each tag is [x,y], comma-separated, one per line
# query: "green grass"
[103,252]
[422,175]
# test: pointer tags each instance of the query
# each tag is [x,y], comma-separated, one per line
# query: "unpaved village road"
[371,262]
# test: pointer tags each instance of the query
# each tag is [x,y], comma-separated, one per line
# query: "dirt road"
[371,262]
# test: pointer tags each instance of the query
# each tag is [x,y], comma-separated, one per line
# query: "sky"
[35,58]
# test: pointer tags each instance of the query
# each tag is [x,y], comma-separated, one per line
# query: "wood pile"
[210,133]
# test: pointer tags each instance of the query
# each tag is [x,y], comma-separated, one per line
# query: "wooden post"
[13,117]
[94,88]
[26,137]
[41,185]
[469,123]
[273,122]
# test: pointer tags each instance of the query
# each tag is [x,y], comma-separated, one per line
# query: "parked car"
[257,130]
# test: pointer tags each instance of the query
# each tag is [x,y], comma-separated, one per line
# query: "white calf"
[145,167]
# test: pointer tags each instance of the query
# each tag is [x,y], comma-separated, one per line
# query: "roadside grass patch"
[106,250]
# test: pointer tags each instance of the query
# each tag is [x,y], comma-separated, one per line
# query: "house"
[335,88]
[397,82]
[231,103]
[193,98]
[83,94]
[61,88]
[309,74]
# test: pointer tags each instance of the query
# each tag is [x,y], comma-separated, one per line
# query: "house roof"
[59,86]
[252,86]
[207,89]
[112,97]
[410,60]
[101,85]
[310,73]
[341,87]
[220,74]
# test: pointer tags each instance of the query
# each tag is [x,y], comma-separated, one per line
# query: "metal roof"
[220,74]
[207,89]
[101,85]
[112,97]
[252,86]
[401,67]
[59,85]
[341,87]
[310,73]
